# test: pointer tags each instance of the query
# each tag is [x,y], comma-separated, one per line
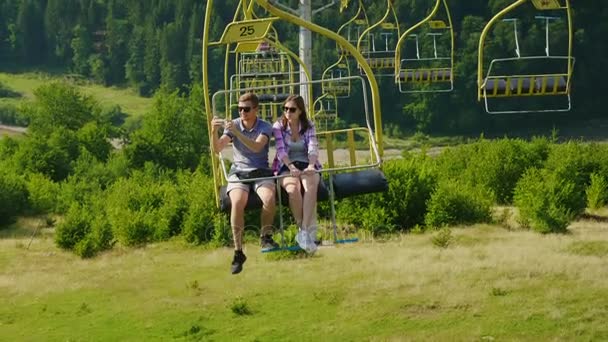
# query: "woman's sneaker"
[313,236]
[305,242]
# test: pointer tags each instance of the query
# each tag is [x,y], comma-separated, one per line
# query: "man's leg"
[266,192]
[238,199]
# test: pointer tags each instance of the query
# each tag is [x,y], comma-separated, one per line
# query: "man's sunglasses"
[245,109]
[290,109]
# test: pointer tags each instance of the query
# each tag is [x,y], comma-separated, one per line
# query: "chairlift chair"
[426,72]
[382,38]
[549,75]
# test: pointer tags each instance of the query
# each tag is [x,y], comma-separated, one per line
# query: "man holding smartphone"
[250,137]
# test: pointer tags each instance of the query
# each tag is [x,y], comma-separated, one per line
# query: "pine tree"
[82,46]
[30,32]
[135,65]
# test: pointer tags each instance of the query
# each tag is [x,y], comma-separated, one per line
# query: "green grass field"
[491,283]
[129,101]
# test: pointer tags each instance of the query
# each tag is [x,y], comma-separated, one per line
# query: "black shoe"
[237,262]
[267,242]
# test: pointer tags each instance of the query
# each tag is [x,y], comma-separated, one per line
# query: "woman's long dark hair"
[299,101]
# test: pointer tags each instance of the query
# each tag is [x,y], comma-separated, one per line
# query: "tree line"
[149,44]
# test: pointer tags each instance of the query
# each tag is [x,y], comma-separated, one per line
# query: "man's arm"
[256,145]
[218,143]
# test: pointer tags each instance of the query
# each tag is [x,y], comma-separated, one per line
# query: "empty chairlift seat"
[428,75]
[526,85]
[495,86]
[359,183]
[552,85]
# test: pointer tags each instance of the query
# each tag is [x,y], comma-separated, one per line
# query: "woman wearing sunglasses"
[297,156]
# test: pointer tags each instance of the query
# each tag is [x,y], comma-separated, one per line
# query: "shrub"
[94,138]
[577,159]
[9,115]
[458,203]
[50,155]
[367,212]
[199,220]
[597,191]
[494,164]
[75,226]
[443,239]
[7,92]
[411,182]
[42,193]
[172,134]
[85,230]
[13,196]
[145,207]
[548,200]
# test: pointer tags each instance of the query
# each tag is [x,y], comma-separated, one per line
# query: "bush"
[75,226]
[411,182]
[13,196]
[42,193]
[94,138]
[145,207]
[7,92]
[458,203]
[50,155]
[597,191]
[85,230]
[548,200]
[496,165]
[578,159]
[9,115]
[199,220]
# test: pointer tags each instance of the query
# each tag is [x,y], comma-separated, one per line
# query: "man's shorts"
[248,185]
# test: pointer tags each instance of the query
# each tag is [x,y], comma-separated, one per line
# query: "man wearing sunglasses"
[250,137]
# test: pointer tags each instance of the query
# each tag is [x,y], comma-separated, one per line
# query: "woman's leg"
[310,182]
[293,188]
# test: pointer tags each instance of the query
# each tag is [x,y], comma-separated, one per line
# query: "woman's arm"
[313,145]
[279,142]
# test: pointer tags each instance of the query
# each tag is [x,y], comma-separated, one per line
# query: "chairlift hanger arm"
[389,9]
[482,39]
[268,5]
[401,40]
[320,9]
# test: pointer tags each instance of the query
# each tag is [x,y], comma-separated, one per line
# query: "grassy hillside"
[490,283]
[129,101]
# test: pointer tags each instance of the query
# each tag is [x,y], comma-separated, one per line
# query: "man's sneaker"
[267,242]
[237,262]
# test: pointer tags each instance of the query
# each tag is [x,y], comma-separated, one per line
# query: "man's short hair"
[250,97]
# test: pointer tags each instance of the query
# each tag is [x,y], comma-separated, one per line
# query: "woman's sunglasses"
[290,109]
[245,109]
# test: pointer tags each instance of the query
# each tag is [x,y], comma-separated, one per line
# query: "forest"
[149,44]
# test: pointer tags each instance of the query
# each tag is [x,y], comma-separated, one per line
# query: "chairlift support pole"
[306,13]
